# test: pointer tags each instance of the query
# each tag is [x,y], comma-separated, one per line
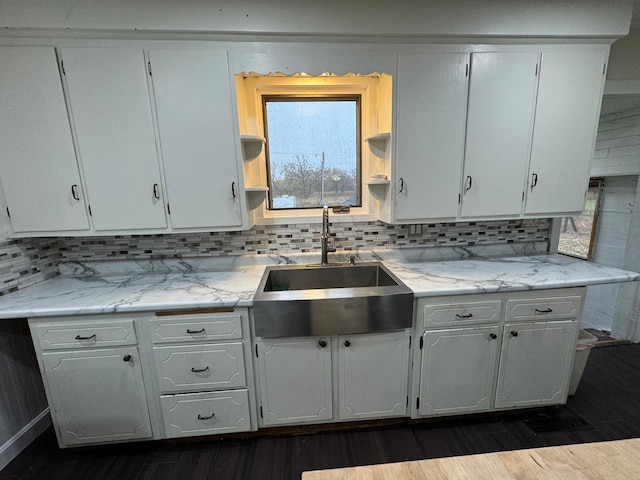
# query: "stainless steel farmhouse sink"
[303,300]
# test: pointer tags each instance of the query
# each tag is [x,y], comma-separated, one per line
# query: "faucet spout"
[324,237]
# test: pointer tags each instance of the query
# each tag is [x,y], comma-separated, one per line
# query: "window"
[313,154]
[577,234]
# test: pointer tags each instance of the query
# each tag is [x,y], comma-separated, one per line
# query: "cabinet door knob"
[347,343]
[493,336]
[322,343]
[514,333]
[127,358]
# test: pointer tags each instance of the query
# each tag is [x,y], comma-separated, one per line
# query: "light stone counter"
[137,286]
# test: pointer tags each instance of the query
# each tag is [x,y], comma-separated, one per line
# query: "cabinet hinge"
[417,403]
[149,68]
[168,209]
[421,342]
[261,416]
[8,214]
[256,351]
[90,214]
[537,66]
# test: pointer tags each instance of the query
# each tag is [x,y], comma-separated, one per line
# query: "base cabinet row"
[115,378]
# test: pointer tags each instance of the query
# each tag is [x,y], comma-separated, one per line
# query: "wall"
[23,406]
[617,158]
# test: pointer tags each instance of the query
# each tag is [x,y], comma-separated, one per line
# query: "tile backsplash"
[300,238]
[25,262]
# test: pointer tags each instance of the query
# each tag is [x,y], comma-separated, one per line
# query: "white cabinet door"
[38,166]
[502,99]
[569,98]
[458,370]
[535,363]
[295,380]
[373,375]
[195,117]
[97,395]
[111,111]
[432,102]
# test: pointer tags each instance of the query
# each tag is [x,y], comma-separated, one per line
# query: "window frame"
[250,88]
[319,98]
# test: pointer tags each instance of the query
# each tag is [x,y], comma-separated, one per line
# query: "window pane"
[576,234]
[313,154]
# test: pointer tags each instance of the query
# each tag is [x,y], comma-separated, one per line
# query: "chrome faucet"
[324,238]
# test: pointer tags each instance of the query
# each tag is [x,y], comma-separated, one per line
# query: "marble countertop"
[138,286]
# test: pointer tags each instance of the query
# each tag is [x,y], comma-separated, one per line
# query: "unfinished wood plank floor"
[608,399]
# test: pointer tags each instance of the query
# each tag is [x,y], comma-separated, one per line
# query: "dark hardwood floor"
[608,399]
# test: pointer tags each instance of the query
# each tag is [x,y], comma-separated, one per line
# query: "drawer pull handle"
[213,415]
[468,315]
[199,370]
[546,310]
[92,337]
[193,332]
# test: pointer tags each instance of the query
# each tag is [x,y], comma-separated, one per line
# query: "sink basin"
[303,300]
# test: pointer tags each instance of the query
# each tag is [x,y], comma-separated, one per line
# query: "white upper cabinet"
[569,98]
[502,101]
[111,112]
[431,111]
[39,172]
[197,136]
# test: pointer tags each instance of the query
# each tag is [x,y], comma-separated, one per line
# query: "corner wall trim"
[21,440]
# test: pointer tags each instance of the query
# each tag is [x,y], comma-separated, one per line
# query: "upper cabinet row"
[121,141]
[494,135]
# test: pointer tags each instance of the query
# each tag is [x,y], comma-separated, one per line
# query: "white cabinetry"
[494,351]
[569,98]
[295,380]
[201,361]
[373,375]
[364,375]
[111,111]
[197,135]
[431,112]
[38,168]
[502,101]
[93,378]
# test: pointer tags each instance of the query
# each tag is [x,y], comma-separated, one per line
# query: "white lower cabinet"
[300,383]
[295,380]
[206,413]
[458,367]
[535,363]
[520,357]
[373,375]
[203,383]
[97,395]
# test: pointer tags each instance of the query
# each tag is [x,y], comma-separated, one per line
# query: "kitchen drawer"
[212,413]
[197,327]
[193,368]
[59,335]
[543,308]
[460,313]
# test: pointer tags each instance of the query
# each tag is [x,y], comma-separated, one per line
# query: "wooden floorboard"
[608,399]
